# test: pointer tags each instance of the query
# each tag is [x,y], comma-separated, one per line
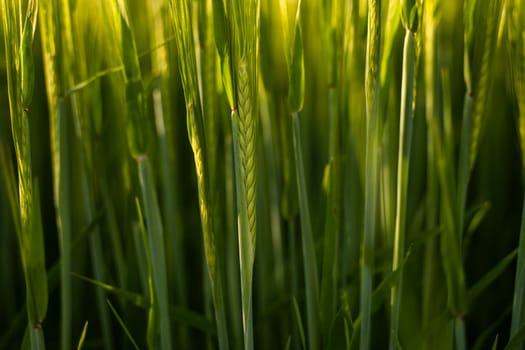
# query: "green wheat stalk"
[139,130]
[19,37]
[294,54]
[244,125]
[163,107]
[80,113]
[403,163]
[431,20]
[372,70]
[237,26]
[51,46]
[21,76]
[333,29]
[197,136]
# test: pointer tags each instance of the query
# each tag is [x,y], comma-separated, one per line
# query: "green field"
[262,174]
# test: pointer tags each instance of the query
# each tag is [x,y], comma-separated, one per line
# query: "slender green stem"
[460,334]
[464,162]
[403,163]
[62,203]
[432,197]
[60,158]
[246,245]
[156,246]
[371,168]
[310,261]
[333,219]
[20,67]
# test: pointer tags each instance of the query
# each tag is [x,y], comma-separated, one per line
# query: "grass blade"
[156,246]
[82,336]
[490,276]
[299,322]
[122,324]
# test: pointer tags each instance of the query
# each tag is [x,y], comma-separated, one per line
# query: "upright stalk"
[430,23]
[163,106]
[308,248]
[139,135]
[80,114]
[20,65]
[294,53]
[373,124]
[403,162]
[236,32]
[244,125]
[51,47]
[197,136]
[333,29]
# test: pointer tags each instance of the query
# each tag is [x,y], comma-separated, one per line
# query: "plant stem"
[403,164]
[310,261]
[371,167]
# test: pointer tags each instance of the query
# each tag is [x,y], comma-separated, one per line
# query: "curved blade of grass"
[299,322]
[489,331]
[122,324]
[495,344]
[180,314]
[476,216]
[82,336]
[476,94]
[490,276]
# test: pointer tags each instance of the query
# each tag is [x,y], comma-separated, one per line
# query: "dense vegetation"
[335,174]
